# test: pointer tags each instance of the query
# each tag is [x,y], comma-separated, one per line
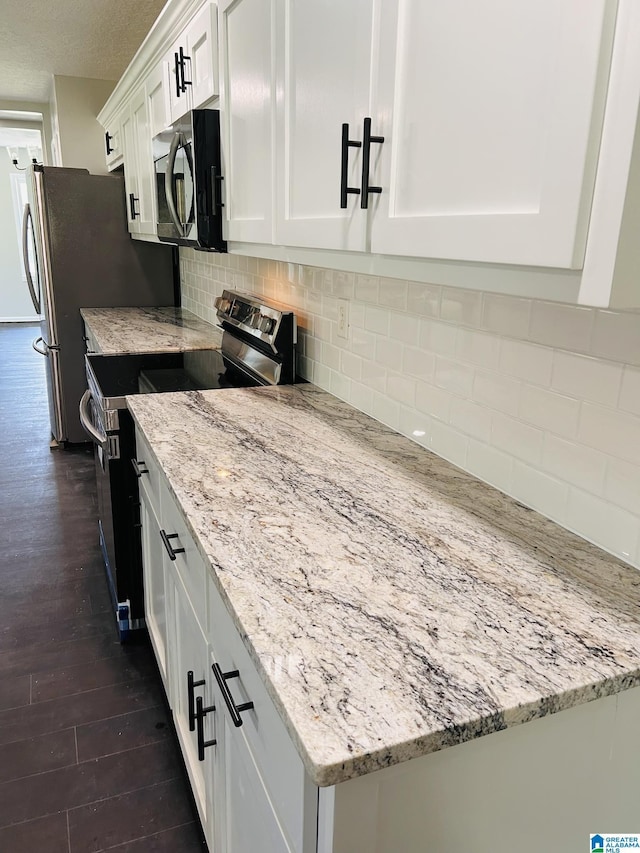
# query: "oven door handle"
[85,419]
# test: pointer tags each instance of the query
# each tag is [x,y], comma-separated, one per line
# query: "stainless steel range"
[258,348]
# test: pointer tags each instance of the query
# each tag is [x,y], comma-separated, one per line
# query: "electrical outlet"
[343,318]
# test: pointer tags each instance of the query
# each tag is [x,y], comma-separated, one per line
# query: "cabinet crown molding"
[174,17]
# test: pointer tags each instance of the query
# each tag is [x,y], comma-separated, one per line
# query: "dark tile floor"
[88,758]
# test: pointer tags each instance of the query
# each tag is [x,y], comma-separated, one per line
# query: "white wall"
[77,136]
[15,303]
[538,398]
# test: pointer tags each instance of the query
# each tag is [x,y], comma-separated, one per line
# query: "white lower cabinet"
[155,588]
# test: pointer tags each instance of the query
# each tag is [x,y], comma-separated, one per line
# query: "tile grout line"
[75,738]
[68,832]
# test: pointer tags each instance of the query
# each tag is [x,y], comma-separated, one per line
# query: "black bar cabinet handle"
[170,550]
[201,713]
[191,685]
[176,68]
[367,139]
[137,469]
[132,205]
[107,138]
[216,188]
[347,143]
[234,710]
[185,83]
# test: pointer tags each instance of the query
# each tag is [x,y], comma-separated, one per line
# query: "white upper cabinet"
[192,64]
[158,99]
[113,144]
[324,60]
[491,114]
[248,102]
[145,205]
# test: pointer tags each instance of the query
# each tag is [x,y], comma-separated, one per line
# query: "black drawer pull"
[234,710]
[191,684]
[201,713]
[138,470]
[366,157]
[347,143]
[170,550]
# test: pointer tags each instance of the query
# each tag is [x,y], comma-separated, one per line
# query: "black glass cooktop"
[150,373]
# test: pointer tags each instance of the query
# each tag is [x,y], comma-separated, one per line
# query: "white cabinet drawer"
[186,559]
[149,471]
[293,795]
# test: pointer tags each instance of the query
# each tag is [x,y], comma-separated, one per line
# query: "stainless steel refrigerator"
[78,254]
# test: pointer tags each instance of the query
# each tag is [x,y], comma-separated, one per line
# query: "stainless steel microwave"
[188,180]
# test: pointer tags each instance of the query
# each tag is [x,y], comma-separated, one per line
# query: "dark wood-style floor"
[88,760]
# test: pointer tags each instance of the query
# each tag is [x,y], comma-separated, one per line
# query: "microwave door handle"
[26,216]
[85,419]
[168,182]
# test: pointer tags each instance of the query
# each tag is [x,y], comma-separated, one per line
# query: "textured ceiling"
[76,38]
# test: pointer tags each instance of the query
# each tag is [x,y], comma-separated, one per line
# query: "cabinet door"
[131,183]
[156,598]
[113,144]
[248,98]
[245,820]
[145,205]
[190,654]
[179,98]
[158,99]
[491,114]
[201,39]
[324,69]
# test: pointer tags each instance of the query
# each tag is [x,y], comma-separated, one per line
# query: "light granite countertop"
[118,331]
[418,607]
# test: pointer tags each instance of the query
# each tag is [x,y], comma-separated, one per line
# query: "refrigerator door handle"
[26,217]
[85,419]
[44,351]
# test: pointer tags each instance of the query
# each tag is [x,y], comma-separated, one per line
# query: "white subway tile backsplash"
[388,353]
[438,337]
[565,326]
[463,307]
[376,320]
[392,293]
[433,401]
[401,388]
[454,376]
[506,315]
[418,362]
[581,466]
[363,343]
[497,391]
[541,400]
[423,299]
[478,348]
[449,443]
[517,439]
[490,465]
[555,412]
[470,418]
[366,288]
[540,491]
[630,391]
[599,521]
[526,361]
[404,327]
[586,378]
[385,410]
[617,336]
[611,431]
[622,484]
